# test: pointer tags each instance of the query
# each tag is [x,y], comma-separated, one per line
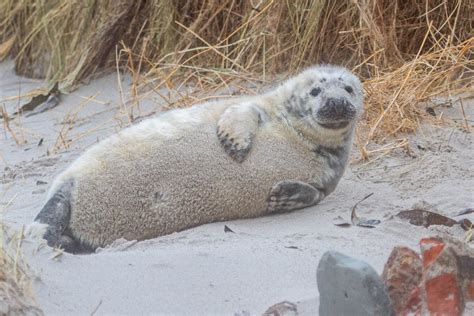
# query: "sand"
[204,270]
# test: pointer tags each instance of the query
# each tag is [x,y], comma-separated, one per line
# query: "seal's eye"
[349,89]
[315,92]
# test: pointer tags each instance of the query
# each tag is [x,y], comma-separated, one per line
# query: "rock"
[414,303]
[448,275]
[440,284]
[300,308]
[466,272]
[348,286]
[402,276]
[284,308]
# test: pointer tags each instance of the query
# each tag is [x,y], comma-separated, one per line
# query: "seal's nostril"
[334,104]
[331,102]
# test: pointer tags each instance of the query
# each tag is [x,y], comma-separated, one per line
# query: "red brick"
[448,275]
[444,295]
[447,278]
[431,248]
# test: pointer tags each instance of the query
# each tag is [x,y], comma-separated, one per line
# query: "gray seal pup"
[222,160]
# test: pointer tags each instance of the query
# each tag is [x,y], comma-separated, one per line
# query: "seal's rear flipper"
[53,220]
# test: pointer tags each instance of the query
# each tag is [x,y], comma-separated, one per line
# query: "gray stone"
[307,307]
[284,308]
[348,286]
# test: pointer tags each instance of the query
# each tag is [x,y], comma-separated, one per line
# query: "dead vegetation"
[407,52]
[16,296]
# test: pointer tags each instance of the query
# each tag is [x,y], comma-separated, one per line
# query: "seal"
[279,151]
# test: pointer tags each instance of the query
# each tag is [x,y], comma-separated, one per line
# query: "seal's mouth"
[334,125]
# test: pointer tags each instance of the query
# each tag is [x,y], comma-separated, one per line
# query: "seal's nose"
[337,108]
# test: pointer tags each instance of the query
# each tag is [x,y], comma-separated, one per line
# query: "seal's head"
[325,96]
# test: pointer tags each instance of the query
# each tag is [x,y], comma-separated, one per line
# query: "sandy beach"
[204,270]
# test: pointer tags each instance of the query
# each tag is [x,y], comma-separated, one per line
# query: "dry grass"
[397,100]
[406,51]
[71,40]
[16,296]
[6,126]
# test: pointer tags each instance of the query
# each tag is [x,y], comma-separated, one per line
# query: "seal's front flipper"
[236,129]
[287,196]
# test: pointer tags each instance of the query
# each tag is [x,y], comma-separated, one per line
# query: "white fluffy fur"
[112,166]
